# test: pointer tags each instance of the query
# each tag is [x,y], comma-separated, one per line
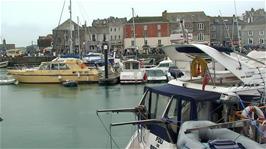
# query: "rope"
[108,131]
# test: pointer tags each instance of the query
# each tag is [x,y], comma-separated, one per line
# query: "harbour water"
[52,116]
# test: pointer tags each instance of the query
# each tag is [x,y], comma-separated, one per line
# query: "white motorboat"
[3,64]
[132,73]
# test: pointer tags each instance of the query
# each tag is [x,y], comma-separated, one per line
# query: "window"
[132,43]
[200,37]
[250,40]
[200,26]
[111,37]
[159,42]
[159,34]
[104,37]
[145,27]
[159,27]
[135,65]
[115,29]
[115,37]
[261,41]
[110,29]
[119,37]
[127,65]
[93,37]
[250,33]
[261,33]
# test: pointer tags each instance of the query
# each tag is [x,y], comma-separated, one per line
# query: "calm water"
[52,116]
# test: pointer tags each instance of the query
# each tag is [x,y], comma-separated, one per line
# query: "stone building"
[196,25]
[150,32]
[61,35]
[253,15]
[254,34]
[109,30]
[225,31]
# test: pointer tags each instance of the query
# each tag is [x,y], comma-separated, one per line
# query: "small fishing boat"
[3,64]
[70,83]
[132,73]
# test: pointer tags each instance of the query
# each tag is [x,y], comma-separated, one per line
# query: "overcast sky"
[22,21]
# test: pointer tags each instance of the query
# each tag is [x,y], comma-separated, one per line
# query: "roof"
[188,93]
[198,16]
[65,25]
[138,19]
[225,19]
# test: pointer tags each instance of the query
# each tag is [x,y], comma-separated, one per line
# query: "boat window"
[127,65]
[54,66]
[164,65]
[63,66]
[185,111]
[44,66]
[135,65]
[158,105]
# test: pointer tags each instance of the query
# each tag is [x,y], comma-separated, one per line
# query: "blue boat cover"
[193,49]
[186,93]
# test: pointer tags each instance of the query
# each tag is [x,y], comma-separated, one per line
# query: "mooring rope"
[108,131]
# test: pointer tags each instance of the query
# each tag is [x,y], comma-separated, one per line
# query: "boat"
[165,65]
[57,71]
[132,73]
[156,75]
[164,109]
[7,81]
[3,64]
[70,83]
[207,134]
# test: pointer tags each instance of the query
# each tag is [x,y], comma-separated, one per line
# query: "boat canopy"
[195,49]
[178,91]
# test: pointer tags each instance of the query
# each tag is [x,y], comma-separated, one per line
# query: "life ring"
[249,112]
[198,67]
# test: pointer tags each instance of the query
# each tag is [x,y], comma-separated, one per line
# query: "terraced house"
[146,33]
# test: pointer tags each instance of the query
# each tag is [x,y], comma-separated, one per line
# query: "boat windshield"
[53,66]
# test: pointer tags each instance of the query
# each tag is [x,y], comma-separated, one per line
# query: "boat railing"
[25,66]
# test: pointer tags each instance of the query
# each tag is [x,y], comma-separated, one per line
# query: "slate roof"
[146,19]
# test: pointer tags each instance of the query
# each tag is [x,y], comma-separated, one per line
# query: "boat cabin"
[175,105]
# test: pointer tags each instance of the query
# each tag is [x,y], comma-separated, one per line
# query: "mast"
[134,28]
[70,31]
[78,39]
[238,39]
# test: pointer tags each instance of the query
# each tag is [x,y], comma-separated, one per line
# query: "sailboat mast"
[238,39]
[134,28]
[70,25]
[78,38]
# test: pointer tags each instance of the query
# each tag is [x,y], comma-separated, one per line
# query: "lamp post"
[105,47]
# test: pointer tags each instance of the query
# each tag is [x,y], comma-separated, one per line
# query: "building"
[105,30]
[5,46]
[61,35]
[225,30]
[253,15]
[45,41]
[254,34]
[194,25]
[150,32]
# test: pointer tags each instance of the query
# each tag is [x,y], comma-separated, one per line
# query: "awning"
[184,93]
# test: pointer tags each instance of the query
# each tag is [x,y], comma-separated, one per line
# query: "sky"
[23,21]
